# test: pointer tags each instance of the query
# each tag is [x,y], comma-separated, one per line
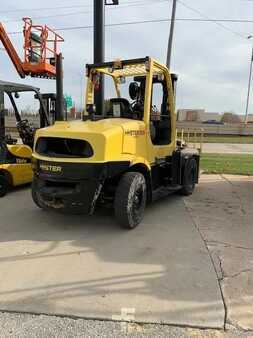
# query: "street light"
[111,2]
[99,45]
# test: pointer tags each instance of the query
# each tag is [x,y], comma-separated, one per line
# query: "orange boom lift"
[40,50]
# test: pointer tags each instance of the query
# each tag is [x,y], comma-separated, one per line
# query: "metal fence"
[193,137]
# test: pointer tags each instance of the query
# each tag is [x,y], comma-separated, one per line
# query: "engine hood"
[107,137]
[79,128]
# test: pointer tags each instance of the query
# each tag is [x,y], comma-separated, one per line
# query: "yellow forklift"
[16,154]
[127,156]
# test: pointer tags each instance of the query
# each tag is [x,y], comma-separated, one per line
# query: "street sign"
[69,101]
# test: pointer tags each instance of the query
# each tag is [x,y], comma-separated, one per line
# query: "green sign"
[69,101]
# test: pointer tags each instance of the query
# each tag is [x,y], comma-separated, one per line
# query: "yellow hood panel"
[105,127]
[20,150]
[111,139]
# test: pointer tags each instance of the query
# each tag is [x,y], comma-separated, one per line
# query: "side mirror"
[134,90]
[174,79]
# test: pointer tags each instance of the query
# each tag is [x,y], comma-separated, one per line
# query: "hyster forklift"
[15,157]
[128,155]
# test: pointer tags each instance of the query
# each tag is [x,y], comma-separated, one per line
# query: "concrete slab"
[90,267]
[228,148]
[222,209]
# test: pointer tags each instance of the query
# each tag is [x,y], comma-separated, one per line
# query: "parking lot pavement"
[222,208]
[228,148]
[14,325]
[161,272]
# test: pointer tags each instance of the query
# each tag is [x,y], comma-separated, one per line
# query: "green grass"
[225,139]
[227,164]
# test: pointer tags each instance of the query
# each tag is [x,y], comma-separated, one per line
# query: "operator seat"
[120,107]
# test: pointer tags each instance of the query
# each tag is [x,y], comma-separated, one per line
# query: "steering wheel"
[26,132]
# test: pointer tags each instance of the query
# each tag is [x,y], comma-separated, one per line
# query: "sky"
[211,59]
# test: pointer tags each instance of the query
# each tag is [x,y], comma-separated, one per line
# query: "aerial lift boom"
[40,50]
[41,59]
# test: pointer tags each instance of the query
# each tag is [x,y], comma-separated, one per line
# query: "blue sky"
[212,61]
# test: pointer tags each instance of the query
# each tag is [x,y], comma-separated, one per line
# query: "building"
[197,115]
[190,115]
[250,118]
[210,116]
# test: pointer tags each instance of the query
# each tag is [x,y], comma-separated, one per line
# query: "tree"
[230,117]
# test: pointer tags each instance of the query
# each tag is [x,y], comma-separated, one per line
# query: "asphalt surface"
[25,325]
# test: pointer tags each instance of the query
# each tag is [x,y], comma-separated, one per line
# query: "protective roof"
[128,70]
[10,87]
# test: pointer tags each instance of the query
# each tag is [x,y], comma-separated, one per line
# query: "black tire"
[189,177]
[35,197]
[130,199]
[4,186]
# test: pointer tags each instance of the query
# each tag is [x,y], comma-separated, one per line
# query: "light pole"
[249,89]
[99,48]
[172,25]
[99,45]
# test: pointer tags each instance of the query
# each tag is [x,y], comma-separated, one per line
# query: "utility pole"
[99,46]
[99,50]
[249,89]
[172,25]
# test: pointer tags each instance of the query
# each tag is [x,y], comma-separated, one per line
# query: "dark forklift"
[15,155]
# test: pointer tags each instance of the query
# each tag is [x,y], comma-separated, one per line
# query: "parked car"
[213,122]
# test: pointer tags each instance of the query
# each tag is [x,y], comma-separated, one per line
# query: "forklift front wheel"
[189,178]
[35,196]
[130,199]
[4,185]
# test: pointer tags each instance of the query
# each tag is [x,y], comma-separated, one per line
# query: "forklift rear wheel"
[189,177]
[130,199]
[4,185]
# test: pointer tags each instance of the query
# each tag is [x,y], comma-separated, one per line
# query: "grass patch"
[227,164]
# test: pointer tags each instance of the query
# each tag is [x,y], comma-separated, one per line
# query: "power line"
[139,22]
[44,9]
[218,23]
[128,5]
[61,7]
[205,18]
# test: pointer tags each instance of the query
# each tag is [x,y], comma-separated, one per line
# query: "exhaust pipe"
[60,114]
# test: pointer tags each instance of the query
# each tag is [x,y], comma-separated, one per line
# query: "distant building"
[190,115]
[250,118]
[230,117]
[210,116]
[197,115]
